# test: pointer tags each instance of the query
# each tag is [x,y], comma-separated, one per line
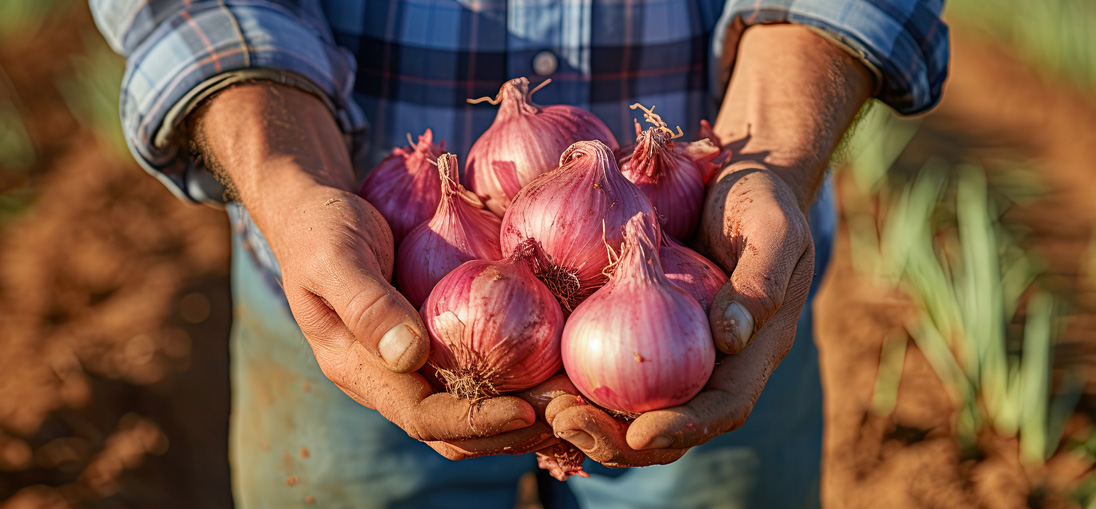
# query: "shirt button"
[545,63]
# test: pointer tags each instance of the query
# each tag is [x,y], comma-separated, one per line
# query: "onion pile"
[525,141]
[461,230]
[639,343]
[494,327]
[575,211]
[404,186]
[578,274]
[671,175]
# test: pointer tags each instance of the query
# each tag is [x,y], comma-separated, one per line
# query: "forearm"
[267,142]
[791,98]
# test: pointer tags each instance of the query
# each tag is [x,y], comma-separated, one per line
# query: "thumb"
[361,305]
[758,287]
[385,322]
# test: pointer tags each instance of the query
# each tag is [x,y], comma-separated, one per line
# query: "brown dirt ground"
[114,313]
[994,109]
[114,310]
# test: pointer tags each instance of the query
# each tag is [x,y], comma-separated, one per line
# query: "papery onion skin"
[690,271]
[562,461]
[525,141]
[671,175]
[461,230]
[494,327]
[725,152]
[639,343]
[404,186]
[574,211]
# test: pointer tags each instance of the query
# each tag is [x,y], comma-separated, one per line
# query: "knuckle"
[407,419]
[364,306]
[416,432]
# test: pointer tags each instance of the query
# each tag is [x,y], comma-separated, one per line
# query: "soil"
[115,310]
[995,111]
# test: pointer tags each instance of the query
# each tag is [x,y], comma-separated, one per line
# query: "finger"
[559,404]
[542,395]
[407,400]
[442,416]
[736,383]
[601,438]
[376,314]
[521,441]
[757,288]
[753,227]
[536,437]
[709,414]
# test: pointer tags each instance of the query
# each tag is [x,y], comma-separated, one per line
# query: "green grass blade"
[1036,378]
[892,356]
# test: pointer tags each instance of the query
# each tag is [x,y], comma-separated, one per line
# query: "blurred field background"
[957,323]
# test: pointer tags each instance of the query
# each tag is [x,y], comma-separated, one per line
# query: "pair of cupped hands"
[336,256]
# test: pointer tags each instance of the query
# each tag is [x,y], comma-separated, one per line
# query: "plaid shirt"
[392,68]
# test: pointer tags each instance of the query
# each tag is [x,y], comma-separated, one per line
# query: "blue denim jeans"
[296,439]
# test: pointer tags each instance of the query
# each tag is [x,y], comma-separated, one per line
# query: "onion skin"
[671,175]
[639,343]
[525,141]
[574,211]
[461,230]
[562,461]
[494,327]
[691,271]
[404,186]
[725,152]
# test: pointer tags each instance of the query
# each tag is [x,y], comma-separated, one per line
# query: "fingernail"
[580,439]
[515,424]
[394,344]
[659,442]
[738,326]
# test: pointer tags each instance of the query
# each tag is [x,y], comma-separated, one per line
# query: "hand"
[791,97]
[753,227]
[282,156]
[336,258]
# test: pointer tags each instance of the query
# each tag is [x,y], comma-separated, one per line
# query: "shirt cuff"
[903,42]
[207,49]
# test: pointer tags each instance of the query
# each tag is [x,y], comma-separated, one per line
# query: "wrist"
[266,140]
[801,178]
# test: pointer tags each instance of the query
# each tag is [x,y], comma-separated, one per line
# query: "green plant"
[16,150]
[1055,35]
[939,238]
[23,16]
[91,91]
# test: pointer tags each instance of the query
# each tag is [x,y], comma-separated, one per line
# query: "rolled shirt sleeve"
[179,52]
[903,42]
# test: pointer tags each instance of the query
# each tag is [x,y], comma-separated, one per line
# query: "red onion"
[639,343]
[670,174]
[493,326]
[461,230]
[574,211]
[562,461]
[525,141]
[690,271]
[725,153]
[404,186]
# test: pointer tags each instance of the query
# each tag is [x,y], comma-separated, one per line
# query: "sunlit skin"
[792,96]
